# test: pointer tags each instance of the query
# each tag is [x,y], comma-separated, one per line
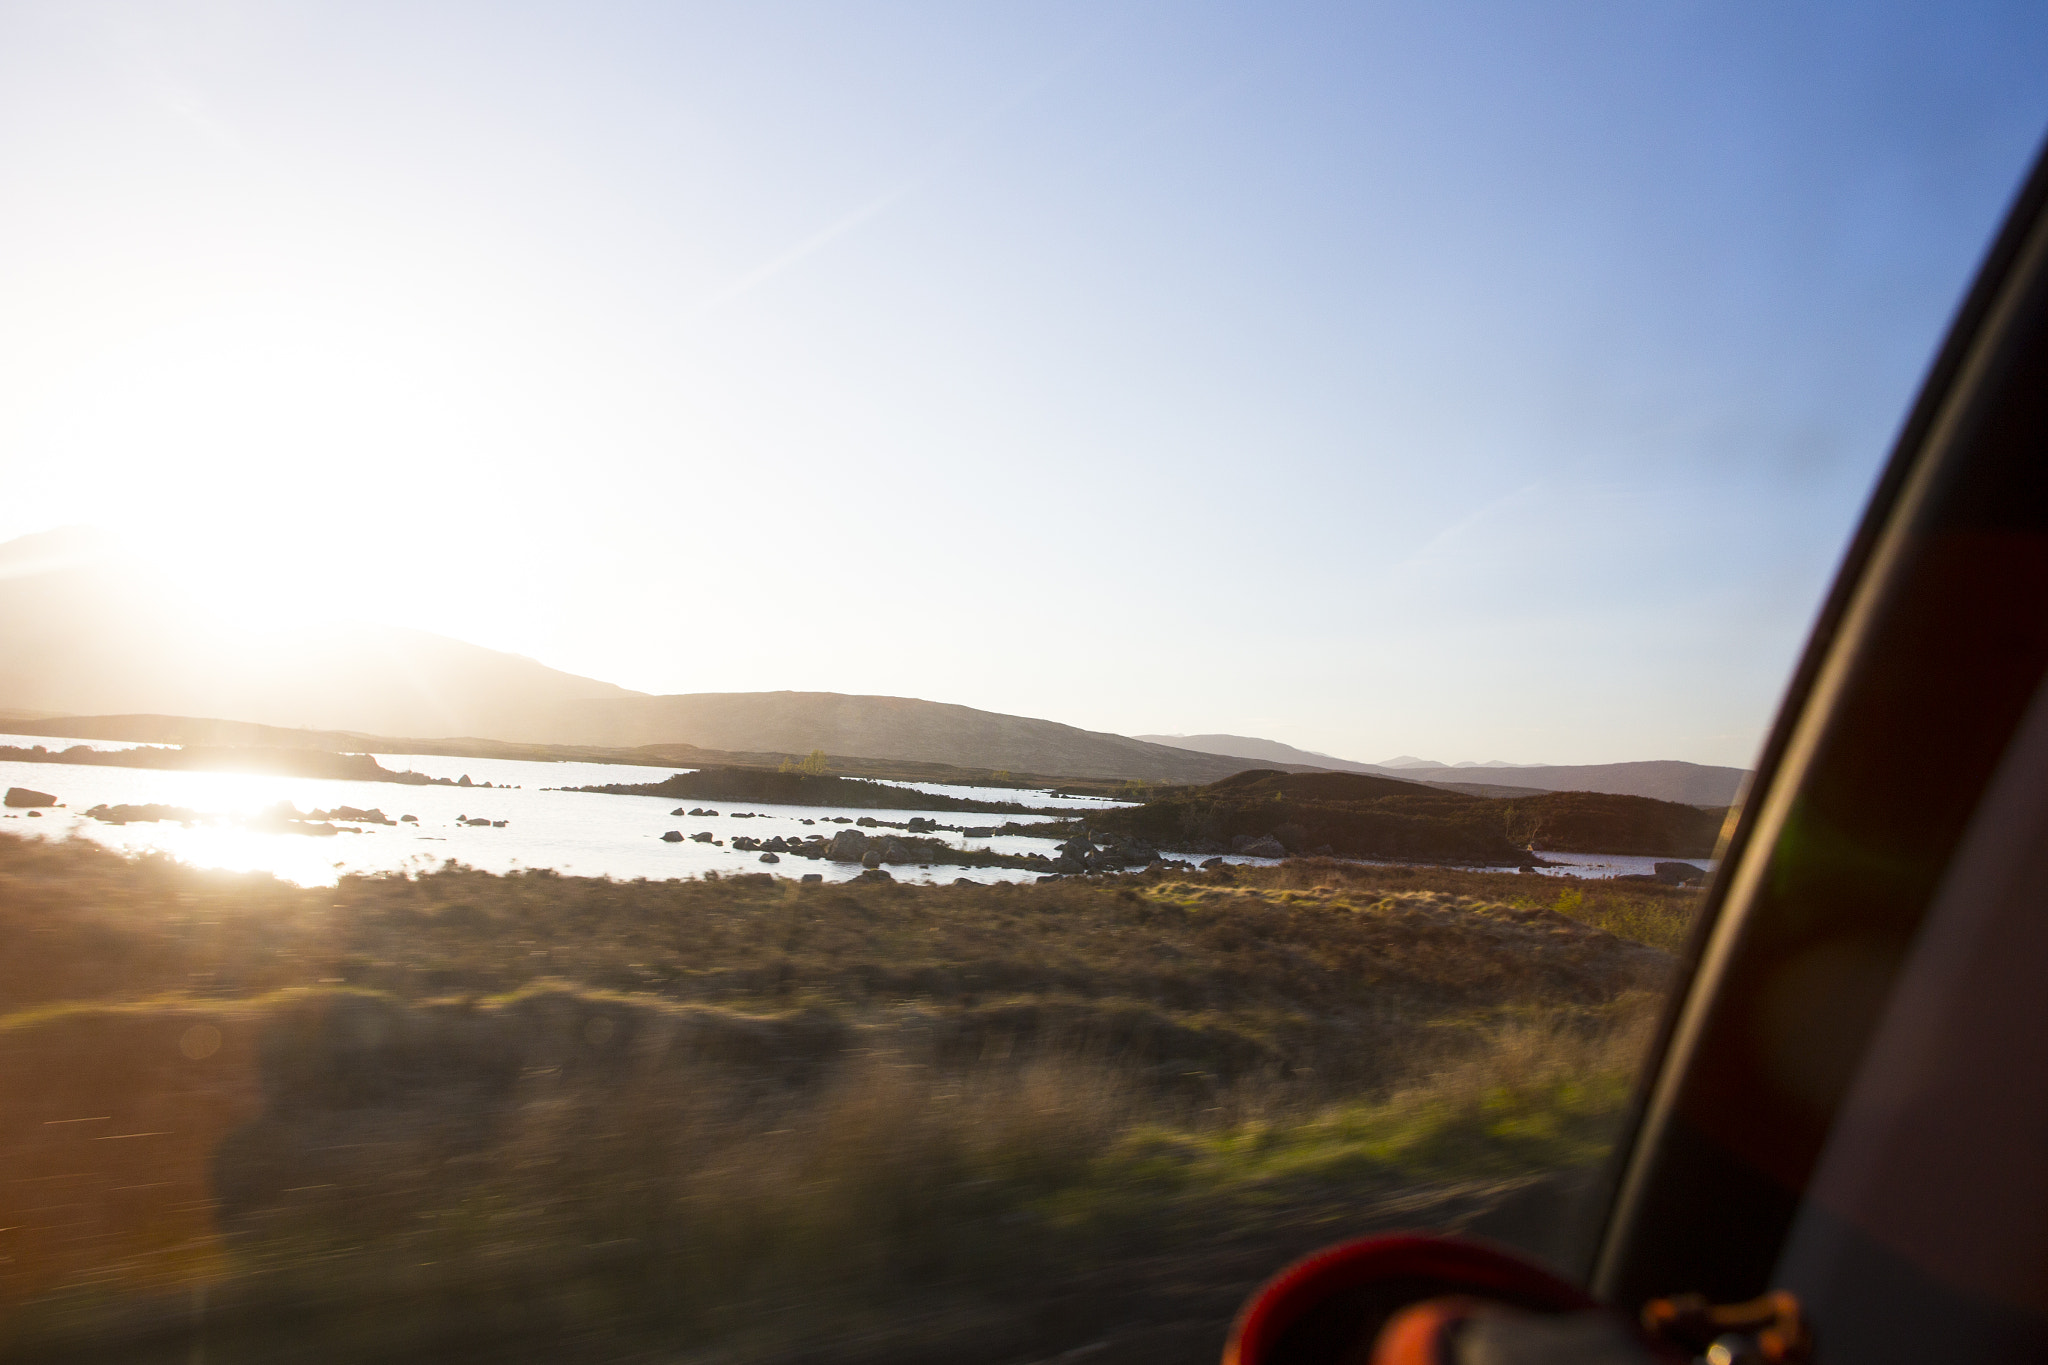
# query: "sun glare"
[254,586]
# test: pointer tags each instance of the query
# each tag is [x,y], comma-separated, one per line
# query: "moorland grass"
[458,1115]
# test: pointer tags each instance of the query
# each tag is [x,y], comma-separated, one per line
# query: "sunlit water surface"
[579,833]
[573,832]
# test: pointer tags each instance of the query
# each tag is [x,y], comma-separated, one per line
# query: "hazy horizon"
[1463,382]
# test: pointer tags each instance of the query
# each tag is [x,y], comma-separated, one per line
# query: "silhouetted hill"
[899,728]
[85,633]
[1692,784]
[88,632]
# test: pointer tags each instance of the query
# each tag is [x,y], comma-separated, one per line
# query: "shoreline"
[312,763]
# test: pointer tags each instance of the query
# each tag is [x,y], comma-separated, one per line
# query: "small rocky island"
[920,845]
[771,788]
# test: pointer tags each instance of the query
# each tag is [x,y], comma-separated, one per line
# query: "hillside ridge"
[1662,779]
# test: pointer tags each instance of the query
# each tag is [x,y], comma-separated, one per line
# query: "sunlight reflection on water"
[573,832]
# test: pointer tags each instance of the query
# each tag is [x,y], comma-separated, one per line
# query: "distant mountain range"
[1269,752]
[1693,784]
[1406,761]
[88,633]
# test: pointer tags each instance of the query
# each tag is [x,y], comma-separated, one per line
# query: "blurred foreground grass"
[462,1116]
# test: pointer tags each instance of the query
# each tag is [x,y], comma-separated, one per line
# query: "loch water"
[576,833]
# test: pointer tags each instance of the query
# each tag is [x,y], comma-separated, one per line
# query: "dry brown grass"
[467,1115]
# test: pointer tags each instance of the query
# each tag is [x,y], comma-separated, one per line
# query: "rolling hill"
[1692,784]
[901,728]
[1359,815]
[87,631]
[92,633]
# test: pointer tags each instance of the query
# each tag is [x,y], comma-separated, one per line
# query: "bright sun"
[260,586]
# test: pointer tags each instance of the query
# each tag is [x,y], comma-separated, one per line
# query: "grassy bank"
[548,1117]
[1355,815]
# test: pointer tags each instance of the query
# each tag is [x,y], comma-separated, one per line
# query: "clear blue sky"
[1462,380]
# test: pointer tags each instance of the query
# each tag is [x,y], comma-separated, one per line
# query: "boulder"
[24,798]
[812,878]
[1678,874]
[847,846]
[894,852]
[875,874]
[1266,846]
[868,822]
[373,816]
[702,836]
[680,811]
[871,859]
[408,819]
[978,832]
[674,836]
[1211,864]
[770,858]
